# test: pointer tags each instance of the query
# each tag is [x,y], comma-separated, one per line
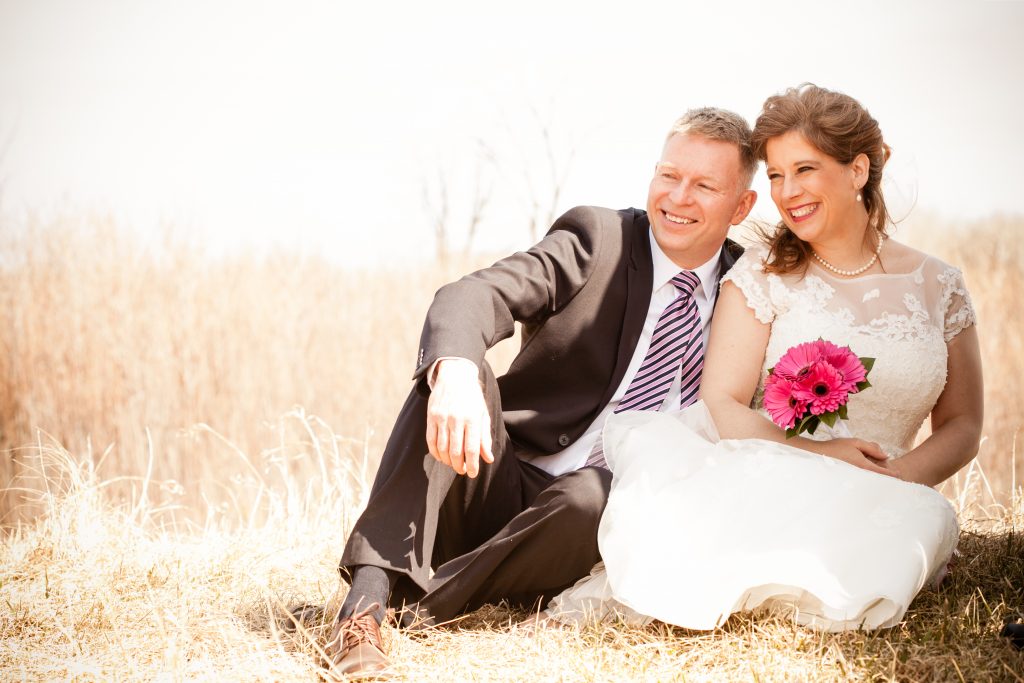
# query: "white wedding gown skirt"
[697,529]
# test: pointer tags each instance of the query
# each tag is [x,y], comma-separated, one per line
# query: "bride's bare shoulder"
[901,258]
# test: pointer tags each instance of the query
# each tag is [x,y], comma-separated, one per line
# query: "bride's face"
[815,194]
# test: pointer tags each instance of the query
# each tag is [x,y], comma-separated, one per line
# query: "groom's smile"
[680,220]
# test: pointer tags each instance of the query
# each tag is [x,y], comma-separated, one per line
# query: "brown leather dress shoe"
[355,650]
[535,623]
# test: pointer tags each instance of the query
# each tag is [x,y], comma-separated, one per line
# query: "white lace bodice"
[902,320]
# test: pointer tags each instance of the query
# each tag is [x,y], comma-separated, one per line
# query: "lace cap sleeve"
[958,312]
[748,274]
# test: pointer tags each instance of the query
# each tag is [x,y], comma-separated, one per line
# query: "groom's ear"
[746,203]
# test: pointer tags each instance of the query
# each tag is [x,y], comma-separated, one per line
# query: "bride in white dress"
[839,532]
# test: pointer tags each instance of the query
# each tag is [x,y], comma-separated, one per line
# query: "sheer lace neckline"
[818,270]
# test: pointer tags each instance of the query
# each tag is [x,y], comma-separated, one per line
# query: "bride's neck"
[849,248]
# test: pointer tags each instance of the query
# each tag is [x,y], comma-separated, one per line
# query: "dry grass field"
[186,442]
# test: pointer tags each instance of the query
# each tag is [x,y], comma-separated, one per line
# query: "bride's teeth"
[803,211]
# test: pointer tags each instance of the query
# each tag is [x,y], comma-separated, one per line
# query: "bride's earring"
[859,198]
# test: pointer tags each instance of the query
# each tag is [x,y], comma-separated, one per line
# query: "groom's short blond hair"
[720,124]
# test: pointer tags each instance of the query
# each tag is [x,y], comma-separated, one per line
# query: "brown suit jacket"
[582,294]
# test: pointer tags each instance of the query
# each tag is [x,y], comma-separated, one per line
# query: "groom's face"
[697,192]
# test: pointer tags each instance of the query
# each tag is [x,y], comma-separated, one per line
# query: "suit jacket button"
[563,440]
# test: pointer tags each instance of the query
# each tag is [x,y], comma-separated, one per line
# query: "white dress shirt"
[664,292]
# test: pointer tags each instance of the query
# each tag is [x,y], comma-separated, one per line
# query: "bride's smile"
[803,212]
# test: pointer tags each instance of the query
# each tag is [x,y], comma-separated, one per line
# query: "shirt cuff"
[432,372]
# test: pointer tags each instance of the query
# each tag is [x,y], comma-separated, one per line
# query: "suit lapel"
[639,282]
[730,252]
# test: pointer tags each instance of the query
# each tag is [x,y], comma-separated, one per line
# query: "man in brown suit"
[498,501]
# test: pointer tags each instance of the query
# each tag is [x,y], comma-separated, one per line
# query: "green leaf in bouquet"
[861,386]
[810,423]
[800,426]
[843,412]
[828,418]
[868,363]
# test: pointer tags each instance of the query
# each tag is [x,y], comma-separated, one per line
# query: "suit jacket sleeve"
[472,314]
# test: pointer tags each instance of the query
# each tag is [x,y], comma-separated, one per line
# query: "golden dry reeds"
[96,592]
[149,351]
[91,591]
[991,254]
[170,493]
[150,354]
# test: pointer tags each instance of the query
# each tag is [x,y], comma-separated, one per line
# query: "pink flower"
[796,362]
[811,384]
[847,365]
[781,401]
[821,387]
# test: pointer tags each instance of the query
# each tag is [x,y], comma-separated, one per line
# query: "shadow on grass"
[948,634]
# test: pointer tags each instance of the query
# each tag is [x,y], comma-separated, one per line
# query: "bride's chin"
[804,235]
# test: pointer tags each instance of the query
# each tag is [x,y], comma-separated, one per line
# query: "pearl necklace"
[858,271]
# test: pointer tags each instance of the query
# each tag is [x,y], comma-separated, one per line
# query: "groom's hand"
[458,424]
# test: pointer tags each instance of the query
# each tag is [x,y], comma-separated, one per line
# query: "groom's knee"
[582,495]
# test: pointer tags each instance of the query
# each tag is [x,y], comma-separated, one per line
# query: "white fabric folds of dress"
[698,528]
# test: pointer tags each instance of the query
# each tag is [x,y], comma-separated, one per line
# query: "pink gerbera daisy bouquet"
[811,384]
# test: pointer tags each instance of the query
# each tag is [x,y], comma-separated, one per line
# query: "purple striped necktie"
[677,341]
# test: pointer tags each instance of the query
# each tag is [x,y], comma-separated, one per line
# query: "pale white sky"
[320,125]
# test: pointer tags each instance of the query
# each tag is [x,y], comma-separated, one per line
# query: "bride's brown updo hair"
[842,128]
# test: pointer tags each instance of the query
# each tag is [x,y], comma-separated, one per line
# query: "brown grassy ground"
[94,592]
[201,500]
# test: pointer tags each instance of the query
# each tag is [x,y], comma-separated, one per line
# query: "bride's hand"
[867,455]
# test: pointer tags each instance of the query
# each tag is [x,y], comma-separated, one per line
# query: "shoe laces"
[361,627]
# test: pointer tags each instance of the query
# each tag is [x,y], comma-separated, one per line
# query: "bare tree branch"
[4,149]
[542,172]
[436,205]
[542,198]
[481,194]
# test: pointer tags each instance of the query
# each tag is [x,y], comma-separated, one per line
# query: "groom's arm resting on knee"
[458,424]
[472,314]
